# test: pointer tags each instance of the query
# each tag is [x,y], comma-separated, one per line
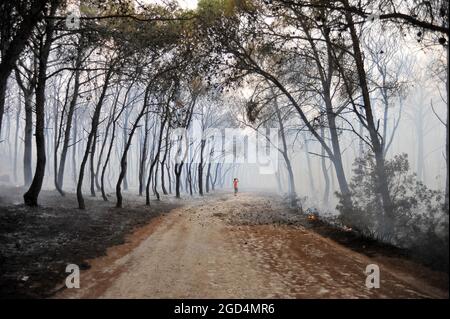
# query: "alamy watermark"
[73,279]
[227,146]
[373,276]
[73,15]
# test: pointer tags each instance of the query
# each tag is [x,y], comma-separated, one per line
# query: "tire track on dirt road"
[194,252]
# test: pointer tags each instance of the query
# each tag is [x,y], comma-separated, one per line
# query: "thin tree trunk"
[123,161]
[19,111]
[125,132]
[382,185]
[102,150]
[68,128]
[155,184]
[93,132]
[284,152]
[166,151]
[74,149]
[143,156]
[208,176]
[156,158]
[447,158]
[28,143]
[326,192]
[91,166]
[200,168]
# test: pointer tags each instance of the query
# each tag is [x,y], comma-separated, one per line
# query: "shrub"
[419,222]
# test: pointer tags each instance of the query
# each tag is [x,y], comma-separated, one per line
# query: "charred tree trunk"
[284,152]
[166,150]
[123,161]
[16,137]
[28,144]
[420,144]
[91,165]
[92,134]
[310,173]
[326,192]
[102,150]
[155,184]
[208,176]
[156,158]
[31,196]
[169,177]
[105,165]
[382,185]
[68,128]
[74,150]
[334,155]
[216,174]
[124,136]
[447,159]
[143,156]
[28,91]
[200,168]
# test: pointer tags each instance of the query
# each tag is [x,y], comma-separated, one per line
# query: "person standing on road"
[235,186]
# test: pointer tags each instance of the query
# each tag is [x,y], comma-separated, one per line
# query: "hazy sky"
[188,4]
[191,4]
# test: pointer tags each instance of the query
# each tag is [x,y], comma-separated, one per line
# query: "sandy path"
[193,252]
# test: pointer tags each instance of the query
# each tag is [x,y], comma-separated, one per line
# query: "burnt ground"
[36,244]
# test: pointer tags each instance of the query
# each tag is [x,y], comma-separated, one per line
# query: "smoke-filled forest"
[224,149]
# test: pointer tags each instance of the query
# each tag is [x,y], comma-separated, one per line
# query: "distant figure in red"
[235,185]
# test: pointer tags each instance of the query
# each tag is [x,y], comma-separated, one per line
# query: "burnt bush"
[420,223]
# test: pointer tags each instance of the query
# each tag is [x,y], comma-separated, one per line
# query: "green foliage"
[212,9]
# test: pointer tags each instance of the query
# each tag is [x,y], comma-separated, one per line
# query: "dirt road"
[209,249]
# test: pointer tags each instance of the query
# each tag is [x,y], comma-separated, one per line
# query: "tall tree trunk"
[105,165]
[420,145]
[308,164]
[115,118]
[189,178]
[177,170]
[102,150]
[326,78]
[68,128]
[156,158]
[200,168]
[92,133]
[91,165]
[284,152]
[123,161]
[74,149]
[447,158]
[216,174]
[326,192]
[166,151]
[28,143]
[143,156]
[124,136]
[169,177]
[155,184]
[3,87]
[382,185]
[208,176]
[31,196]
[19,111]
